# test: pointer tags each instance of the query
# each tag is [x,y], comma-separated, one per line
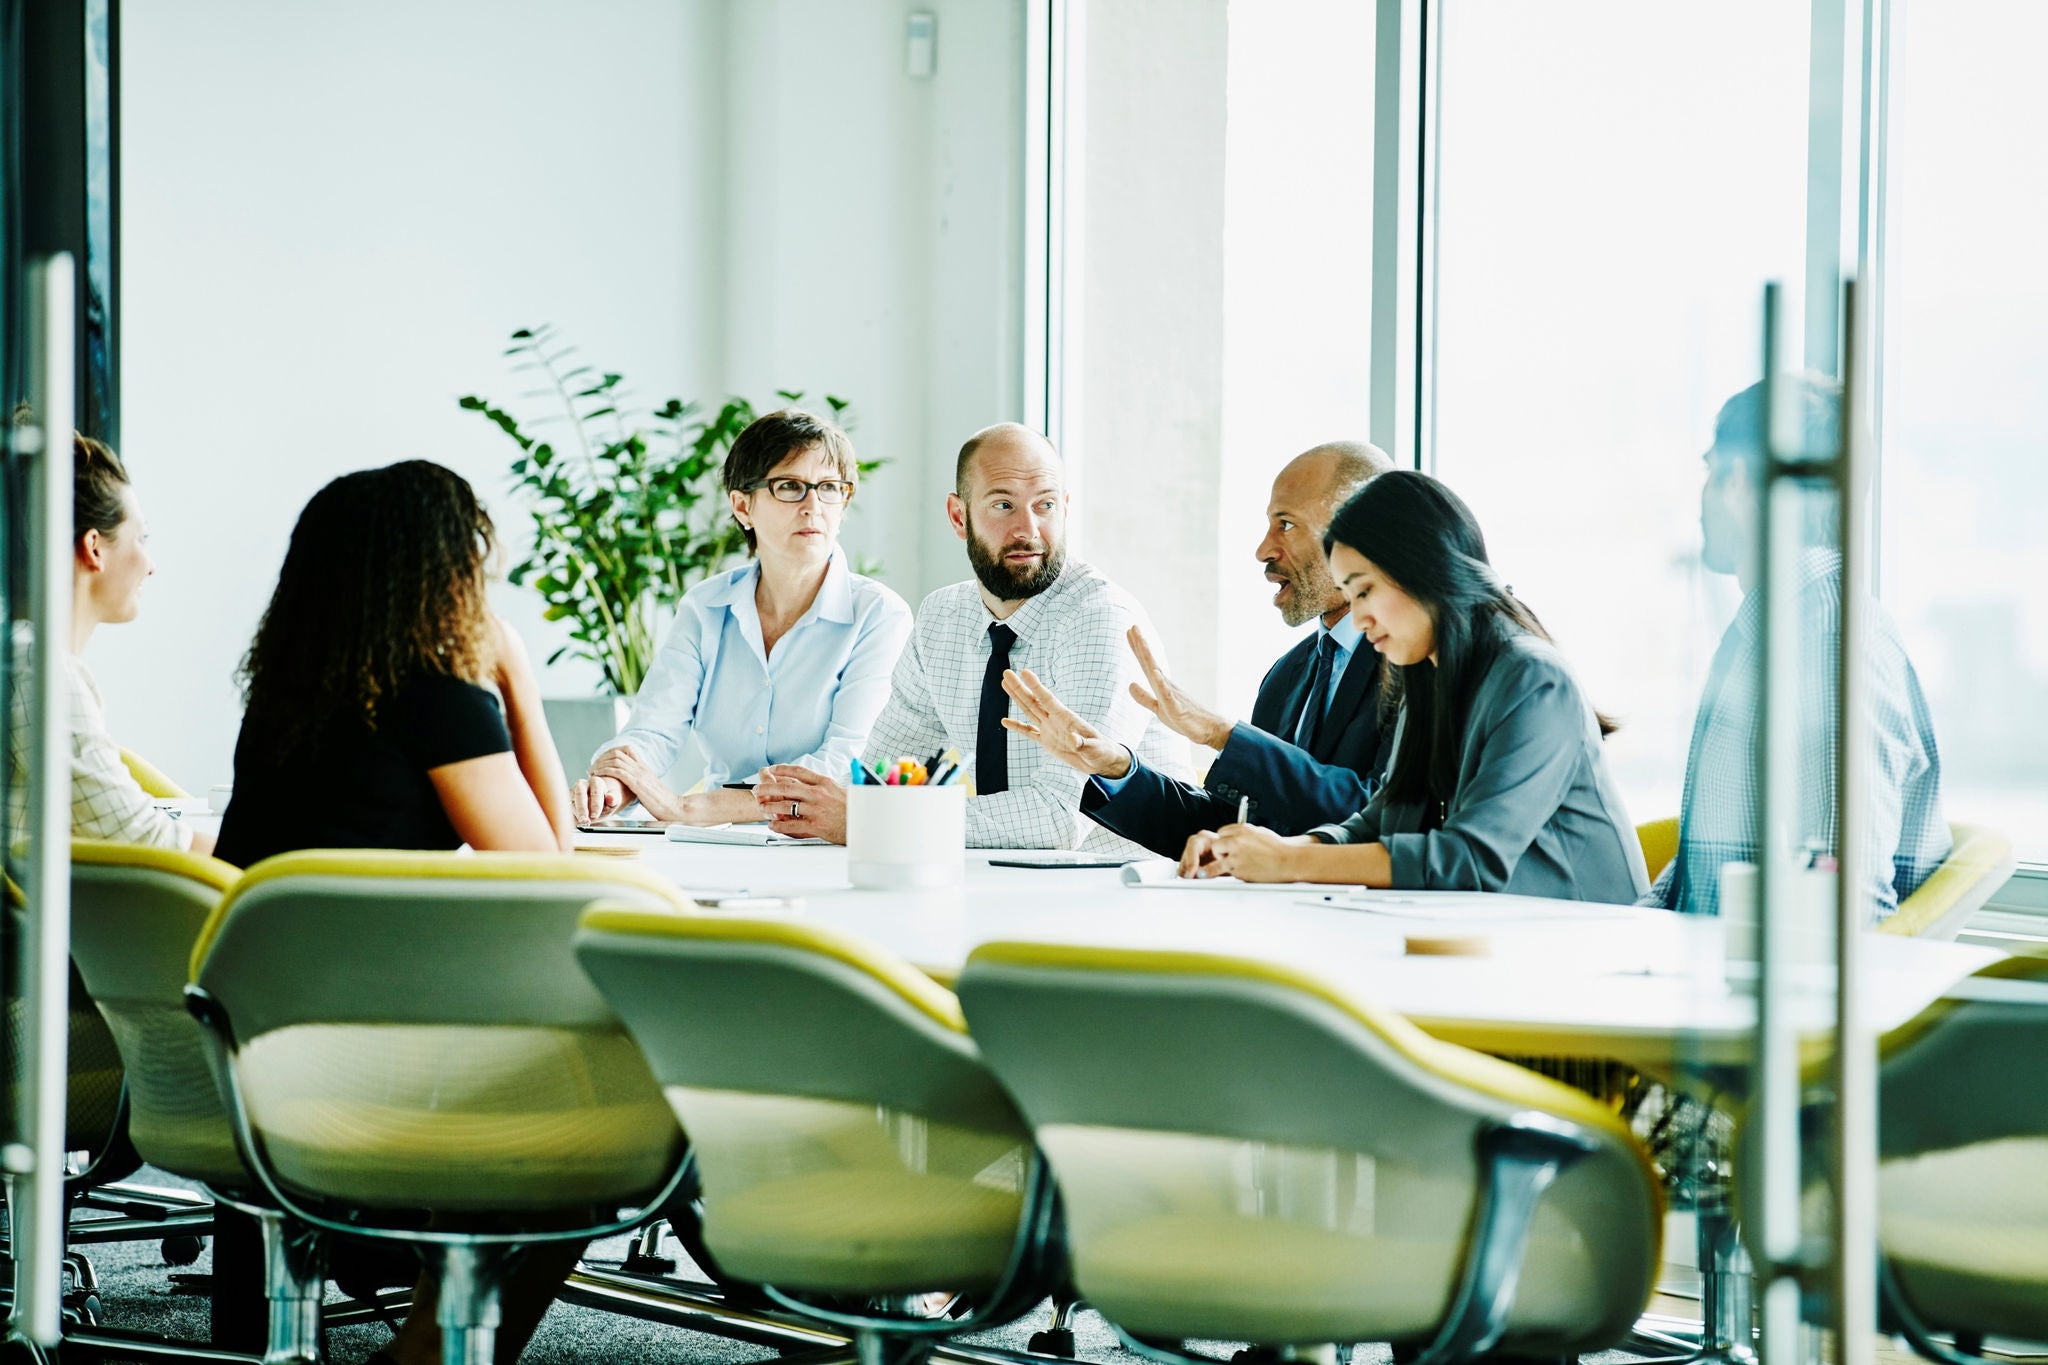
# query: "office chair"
[1659,839]
[96,1123]
[135,914]
[1979,861]
[851,1148]
[1962,1132]
[1244,1154]
[408,1053]
[152,779]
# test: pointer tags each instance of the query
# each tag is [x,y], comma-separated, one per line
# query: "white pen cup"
[906,838]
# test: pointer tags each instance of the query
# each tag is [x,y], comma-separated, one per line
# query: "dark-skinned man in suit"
[1314,749]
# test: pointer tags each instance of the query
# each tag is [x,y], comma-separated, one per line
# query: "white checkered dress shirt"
[1072,636]
[106,801]
[1717,817]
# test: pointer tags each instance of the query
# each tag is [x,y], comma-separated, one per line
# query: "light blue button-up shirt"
[813,702]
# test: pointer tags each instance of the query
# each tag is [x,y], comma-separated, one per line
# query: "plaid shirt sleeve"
[106,800]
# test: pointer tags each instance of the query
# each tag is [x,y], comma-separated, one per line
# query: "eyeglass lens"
[793,490]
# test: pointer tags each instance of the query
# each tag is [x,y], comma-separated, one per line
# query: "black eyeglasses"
[796,490]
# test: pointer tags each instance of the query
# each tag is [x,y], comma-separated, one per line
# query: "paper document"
[1159,874]
[752,836]
[1460,907]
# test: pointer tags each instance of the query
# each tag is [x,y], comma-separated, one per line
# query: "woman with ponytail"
[1497,782]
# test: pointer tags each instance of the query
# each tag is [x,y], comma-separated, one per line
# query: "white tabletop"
[1561,978]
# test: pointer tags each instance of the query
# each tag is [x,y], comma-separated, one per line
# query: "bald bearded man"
[1314,750]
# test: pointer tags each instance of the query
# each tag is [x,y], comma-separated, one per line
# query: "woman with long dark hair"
[1498,782]
[380,682]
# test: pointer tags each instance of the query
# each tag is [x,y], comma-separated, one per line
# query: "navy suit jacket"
[1292,790]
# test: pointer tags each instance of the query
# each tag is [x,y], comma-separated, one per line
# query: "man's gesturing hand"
[1176,710]
[1060,732]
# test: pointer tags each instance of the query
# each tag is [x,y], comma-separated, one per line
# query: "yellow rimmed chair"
[1962,1136]
[847,1140]
[136,913]
[1979,861]
[1659,839]
[1246,1154]
[408,1052]
[152,779]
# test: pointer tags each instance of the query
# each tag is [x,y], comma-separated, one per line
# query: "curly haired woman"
[369,682]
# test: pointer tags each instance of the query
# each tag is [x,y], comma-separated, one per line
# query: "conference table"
[1556,978]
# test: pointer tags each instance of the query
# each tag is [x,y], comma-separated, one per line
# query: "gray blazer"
[1536,812]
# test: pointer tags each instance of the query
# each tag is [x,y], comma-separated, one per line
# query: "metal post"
[1853,1140]
[1399,219]
[1775,1208]
[35,1163]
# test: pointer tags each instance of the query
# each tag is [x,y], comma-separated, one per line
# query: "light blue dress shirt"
[812,703]
[1347,635]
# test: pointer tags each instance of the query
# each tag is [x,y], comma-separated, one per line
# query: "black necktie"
[991,740]
[1318,693]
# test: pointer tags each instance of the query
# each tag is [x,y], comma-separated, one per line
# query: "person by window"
[1498,782]
[783,660]
[386,707]
[110,562]
[1717,823]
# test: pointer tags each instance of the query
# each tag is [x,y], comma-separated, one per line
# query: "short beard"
[1006,584]
[1314,590]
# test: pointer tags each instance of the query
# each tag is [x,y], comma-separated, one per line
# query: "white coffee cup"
[217,798]
[906,838]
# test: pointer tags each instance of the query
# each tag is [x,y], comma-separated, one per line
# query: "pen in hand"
[1244,808]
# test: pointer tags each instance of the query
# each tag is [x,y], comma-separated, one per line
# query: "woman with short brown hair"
[786,659]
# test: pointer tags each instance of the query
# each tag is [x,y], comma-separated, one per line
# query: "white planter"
[580,725]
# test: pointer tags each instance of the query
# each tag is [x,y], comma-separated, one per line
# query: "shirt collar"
[1346,632]
[835,594]
[833,603]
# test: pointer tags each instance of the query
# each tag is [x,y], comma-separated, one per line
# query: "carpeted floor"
[138,1291]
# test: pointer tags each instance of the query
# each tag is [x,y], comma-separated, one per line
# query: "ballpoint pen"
[1244,808]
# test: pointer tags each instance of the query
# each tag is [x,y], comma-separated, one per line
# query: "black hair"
[1423,537]
[383,581]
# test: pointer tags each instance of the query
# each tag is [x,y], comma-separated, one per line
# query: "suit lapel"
[1361,676]
[1277,709]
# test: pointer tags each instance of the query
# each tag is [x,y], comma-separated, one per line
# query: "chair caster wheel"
[181,1250]
[637,1264]
[1053,1341]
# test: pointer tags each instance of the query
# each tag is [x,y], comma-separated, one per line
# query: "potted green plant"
[628,512]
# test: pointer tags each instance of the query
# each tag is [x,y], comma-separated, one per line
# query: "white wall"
[333,216]
[876,242]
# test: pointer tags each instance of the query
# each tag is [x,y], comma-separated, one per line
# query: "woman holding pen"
[1498,782]
[784,660]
